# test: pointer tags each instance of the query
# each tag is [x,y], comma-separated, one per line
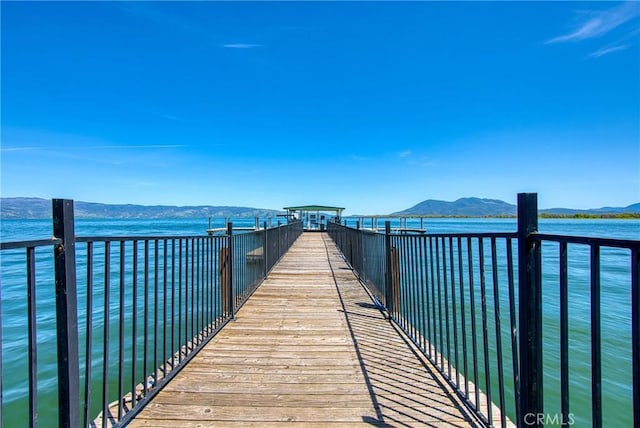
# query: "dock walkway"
[308,349]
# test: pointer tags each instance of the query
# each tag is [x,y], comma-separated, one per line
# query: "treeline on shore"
[621,216]
[590,215]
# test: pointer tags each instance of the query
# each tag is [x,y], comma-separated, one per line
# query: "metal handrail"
[150,304]
[471,302]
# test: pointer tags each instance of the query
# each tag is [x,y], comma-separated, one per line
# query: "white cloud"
[240,46]
[601,22]
[18,149]
[427,162]
[607,50]
[404,154]
[138,146]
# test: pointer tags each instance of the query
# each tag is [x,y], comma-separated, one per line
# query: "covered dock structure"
[314,217]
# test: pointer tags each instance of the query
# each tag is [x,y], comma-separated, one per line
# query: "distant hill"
[34,208]
[477,207]
[473,207]
[633,208]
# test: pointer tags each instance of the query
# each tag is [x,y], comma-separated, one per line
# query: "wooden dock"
[308,349]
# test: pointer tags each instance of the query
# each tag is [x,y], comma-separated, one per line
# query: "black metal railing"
[130,313]
[365,252]
[473,304]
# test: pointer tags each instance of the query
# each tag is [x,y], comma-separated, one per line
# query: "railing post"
[264,250]
[635,332]
[278,254]
[230,293]
[529,386]
[359,253]
[387,271]
[66,314]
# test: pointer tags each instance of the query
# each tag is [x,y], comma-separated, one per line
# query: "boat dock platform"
[309,348]
[329,325]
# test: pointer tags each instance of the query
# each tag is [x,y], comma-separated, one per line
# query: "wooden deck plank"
[308,349]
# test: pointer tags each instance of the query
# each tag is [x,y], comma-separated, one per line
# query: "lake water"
[616,321]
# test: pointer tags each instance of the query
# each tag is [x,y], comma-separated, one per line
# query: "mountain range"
[34,208]
[478,207]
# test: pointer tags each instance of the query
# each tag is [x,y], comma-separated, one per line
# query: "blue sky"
[371,106]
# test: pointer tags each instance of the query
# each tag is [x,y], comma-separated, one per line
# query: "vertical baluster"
[173,304]
[399,243]
[596,359]
[514,330]
[406,301]
[217,286]
[474,340]
[145,348]
[438,279]
[422,283]
[434,342]
[230,262]
[156,297]
[185,340]
[196,291]
[265,250]
[445,285]
[404,261]
[121,317]
[635,331]
[455,316]
[201,292]
[564,333]
[32,337]
[180,278]
[203,286]
[134,324]
[485,329]
[207,285]
[241,283]
[426,296]
[496,302]
[1,383]
[388,274]
[414,290]
[89,339]
[463,320]
[106,415]
[165,353]
[194,260]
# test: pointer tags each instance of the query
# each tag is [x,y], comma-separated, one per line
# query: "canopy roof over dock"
[314,208]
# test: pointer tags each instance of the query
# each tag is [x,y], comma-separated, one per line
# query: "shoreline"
[577,216]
